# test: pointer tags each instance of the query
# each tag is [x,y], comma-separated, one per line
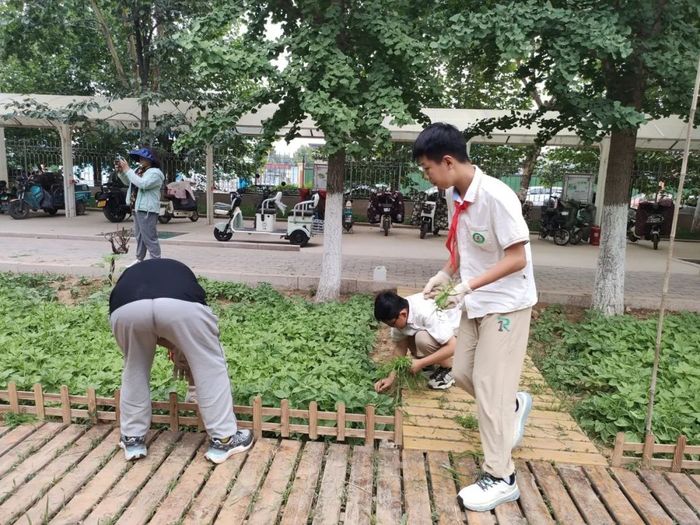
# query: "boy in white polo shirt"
[418,326]
[491,261]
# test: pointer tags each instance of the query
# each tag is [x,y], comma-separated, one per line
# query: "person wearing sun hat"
[143,196]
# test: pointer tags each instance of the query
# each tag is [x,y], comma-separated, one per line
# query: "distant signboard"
[578,187]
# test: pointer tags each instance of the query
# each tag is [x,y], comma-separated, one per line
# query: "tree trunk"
[528,168]
[331,266]
[609,287]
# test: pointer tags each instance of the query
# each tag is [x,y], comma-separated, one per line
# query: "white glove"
[438,280]
[456,298]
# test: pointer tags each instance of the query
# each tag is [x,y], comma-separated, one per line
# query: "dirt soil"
[383,346]
[72,290]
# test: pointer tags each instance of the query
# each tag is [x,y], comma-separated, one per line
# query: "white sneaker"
[487,493]
[524,407]
[191,396]
[133,263]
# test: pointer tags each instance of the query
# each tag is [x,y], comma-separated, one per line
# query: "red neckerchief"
[452,236]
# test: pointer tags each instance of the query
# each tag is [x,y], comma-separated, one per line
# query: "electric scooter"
[179,203]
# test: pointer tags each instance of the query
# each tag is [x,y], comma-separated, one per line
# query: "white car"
[540,195]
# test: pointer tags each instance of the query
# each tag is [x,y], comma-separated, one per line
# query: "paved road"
[564,274]
[300,269]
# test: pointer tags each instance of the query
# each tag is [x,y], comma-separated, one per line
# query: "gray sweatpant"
[192,328]
[146,234]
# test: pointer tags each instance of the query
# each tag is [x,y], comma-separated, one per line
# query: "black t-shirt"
[155,279]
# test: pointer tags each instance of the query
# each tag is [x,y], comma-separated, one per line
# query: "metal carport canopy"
[660,134]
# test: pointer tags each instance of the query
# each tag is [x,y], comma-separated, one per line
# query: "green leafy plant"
[443,296]
[468,422]
[13,420]
[275,346]
[604,366]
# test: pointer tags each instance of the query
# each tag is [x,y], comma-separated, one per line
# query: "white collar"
[470,196]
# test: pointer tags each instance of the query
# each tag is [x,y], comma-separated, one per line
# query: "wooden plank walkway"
[77,474]
[446,421]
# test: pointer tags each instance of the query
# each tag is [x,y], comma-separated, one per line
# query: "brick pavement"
[301,270]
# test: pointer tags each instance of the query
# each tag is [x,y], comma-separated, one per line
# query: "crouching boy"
[419,327]
[160,300]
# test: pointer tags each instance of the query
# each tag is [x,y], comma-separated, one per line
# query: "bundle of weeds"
[401,366]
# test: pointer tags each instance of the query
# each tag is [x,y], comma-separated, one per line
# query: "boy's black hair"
[440,139]
[388,306]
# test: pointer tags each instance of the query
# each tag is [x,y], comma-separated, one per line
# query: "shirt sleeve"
[152,178]
[508,223]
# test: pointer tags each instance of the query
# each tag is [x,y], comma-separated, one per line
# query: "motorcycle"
[558,221]
[33,195]
[654,220]
[347,213]
[433,209]
[5,196]
[179,203]
[384,208]
[112,199]
[585,215]
[631,225]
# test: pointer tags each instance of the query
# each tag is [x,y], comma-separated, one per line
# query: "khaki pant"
[422,344]
[487,364]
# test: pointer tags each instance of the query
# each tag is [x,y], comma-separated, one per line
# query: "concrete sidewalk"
[563,274]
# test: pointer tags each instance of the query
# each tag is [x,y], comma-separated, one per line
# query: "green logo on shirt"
[478,238]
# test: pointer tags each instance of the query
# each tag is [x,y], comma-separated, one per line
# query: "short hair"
[440,139]
[388,306]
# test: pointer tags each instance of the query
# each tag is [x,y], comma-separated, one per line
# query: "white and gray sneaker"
[222,449]
[134,447]
[524,407]
[488,492]
[441,379]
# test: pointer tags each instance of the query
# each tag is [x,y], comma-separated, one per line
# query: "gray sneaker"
[220,449]
[134,447]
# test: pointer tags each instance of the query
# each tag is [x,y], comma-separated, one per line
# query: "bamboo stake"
[669,257]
